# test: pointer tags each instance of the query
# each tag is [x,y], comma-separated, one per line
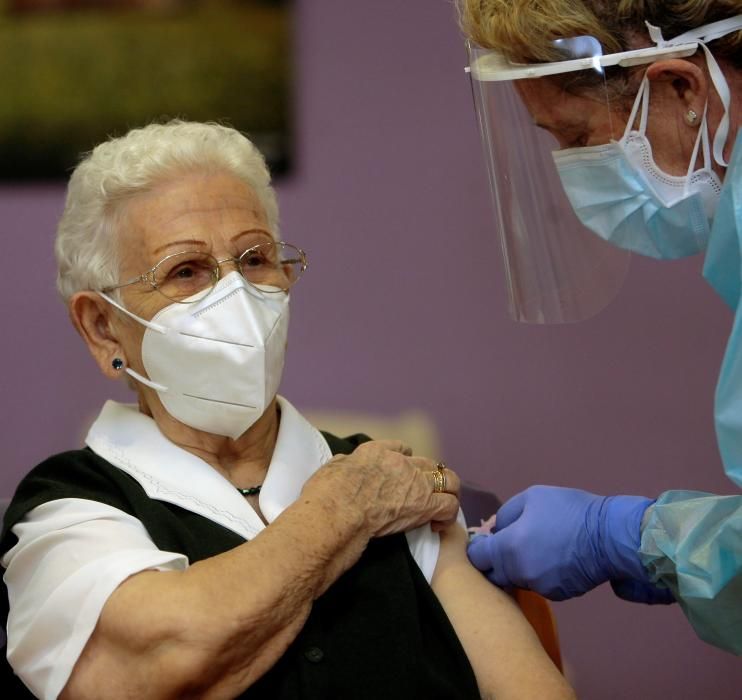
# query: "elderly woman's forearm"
[215,628]
[243,608]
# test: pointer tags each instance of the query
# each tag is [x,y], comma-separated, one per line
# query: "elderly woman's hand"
[382,489]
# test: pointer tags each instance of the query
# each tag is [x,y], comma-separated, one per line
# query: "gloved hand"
[563,542]
[639,592]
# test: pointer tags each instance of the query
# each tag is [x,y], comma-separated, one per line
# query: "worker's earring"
[691,117]
[117,363]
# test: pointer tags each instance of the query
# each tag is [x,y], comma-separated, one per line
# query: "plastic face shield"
[557,270]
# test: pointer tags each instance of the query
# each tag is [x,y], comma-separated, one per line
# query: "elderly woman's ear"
[92,317]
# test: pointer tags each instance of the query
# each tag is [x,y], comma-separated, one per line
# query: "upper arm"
[504,651]
[70,556]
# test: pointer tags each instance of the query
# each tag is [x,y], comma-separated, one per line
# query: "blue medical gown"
[691,541]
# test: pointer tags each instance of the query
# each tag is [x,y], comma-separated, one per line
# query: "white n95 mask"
[618,191]
[216,363]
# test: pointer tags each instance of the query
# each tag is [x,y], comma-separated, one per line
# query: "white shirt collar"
[132,442]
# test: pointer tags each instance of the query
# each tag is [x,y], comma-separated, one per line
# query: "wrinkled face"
[593,119]
[214,213]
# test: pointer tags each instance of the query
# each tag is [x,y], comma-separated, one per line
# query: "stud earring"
[691,116]
[117,363]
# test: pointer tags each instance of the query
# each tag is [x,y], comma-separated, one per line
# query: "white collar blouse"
[72,553]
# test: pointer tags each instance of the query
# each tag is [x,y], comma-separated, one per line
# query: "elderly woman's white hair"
[120,168]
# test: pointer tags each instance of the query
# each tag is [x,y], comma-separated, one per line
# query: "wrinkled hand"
[383,489]
[563,542]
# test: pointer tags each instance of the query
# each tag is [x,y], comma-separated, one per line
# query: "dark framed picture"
[73,72]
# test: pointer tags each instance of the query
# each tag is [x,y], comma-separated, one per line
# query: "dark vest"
[378,633]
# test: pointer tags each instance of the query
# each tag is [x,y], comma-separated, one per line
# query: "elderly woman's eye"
[254,260]
[186,279]
[189,270]
[185,272]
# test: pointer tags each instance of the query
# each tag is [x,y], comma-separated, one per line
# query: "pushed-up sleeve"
[71,554]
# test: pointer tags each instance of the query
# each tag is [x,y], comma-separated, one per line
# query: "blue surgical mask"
[618,191]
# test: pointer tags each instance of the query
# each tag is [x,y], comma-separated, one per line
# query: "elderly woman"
[630,112]
[209,542]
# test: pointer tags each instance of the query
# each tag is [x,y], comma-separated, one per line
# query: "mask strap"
[642,98]
[148,324]
[725,95]
[145,381]
[703,35]
[154,326]
[701,140]
[705,140]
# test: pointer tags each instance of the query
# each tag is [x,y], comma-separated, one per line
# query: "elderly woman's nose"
[228,264]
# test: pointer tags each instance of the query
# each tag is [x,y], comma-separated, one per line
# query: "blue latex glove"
[563,542]
[639,592]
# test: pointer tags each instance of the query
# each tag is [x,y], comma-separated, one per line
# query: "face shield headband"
[557,270]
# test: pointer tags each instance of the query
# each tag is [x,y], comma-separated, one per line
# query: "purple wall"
[404,307]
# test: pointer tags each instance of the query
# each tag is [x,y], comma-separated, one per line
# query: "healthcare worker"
[629,111]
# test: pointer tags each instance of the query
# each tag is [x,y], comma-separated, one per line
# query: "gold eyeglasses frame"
[149,276]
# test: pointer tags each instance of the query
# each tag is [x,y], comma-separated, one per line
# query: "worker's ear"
[682,85]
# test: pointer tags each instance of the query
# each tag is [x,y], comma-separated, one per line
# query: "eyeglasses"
[190,276]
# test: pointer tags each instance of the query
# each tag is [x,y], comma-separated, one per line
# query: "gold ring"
[439,479]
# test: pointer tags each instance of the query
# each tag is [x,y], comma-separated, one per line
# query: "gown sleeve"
[692,543]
